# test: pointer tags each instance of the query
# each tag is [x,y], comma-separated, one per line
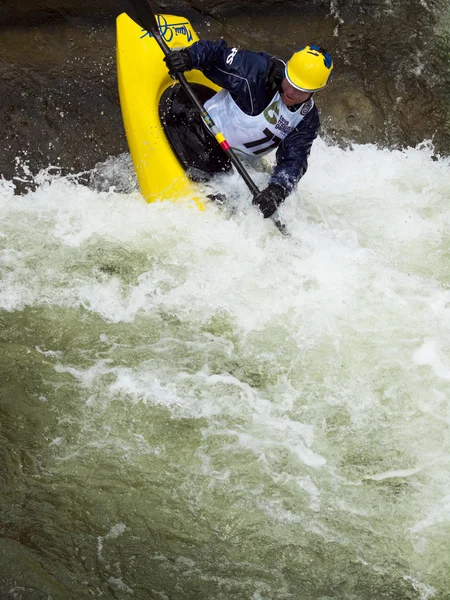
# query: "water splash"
[260,415]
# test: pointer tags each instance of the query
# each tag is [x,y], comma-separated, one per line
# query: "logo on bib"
[306,107]
[271,113]
[283,126]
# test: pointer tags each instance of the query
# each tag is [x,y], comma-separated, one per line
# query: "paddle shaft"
[144,15]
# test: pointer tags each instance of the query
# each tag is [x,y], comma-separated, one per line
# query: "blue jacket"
[252,78]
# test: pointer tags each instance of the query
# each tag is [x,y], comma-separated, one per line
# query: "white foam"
[312,368]
[429,354]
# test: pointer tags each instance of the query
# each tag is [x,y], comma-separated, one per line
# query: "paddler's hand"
[178,61]
[270,199]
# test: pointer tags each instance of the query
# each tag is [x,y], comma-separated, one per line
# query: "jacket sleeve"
[292,154]
[242,72]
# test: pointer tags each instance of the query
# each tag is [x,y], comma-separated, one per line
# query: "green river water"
[196,407]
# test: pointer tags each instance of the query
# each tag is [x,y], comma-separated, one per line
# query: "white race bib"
[258,135]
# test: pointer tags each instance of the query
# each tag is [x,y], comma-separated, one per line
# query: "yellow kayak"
[143,79]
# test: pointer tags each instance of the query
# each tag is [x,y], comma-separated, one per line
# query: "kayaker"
[264,103]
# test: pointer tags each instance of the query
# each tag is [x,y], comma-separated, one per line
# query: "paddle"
[141,12]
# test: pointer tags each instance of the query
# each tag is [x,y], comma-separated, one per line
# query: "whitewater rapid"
[194,406]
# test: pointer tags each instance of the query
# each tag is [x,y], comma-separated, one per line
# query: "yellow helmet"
[309,69]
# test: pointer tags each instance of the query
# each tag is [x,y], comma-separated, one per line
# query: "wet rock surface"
[59,103]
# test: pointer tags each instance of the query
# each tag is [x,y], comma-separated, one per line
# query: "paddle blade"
[142,13]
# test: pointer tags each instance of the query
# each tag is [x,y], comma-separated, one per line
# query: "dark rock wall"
[59,102]
[392,78]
